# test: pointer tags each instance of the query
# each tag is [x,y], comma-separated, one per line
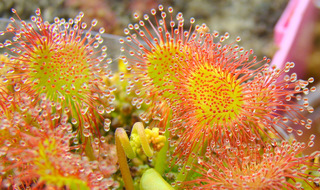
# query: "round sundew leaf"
[216,95]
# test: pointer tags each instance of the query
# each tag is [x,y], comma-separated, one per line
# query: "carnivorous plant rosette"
[229,98]
[277,166]
[218,117]
[155,59]
[62,62]
[36,150]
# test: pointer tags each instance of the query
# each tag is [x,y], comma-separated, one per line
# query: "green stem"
[139,129]
[184,173]
[88,149]
[124,142]
[122,159]
[161,159]
[125,150]
[182,176]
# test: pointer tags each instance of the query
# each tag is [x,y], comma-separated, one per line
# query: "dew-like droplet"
[22,143]
[108,110]
[83,25]
[17,87]
[7,143]
[100,109]
[84,110]
[63,127]
[86,125]
[94,22]
[298,185]
[310,109]
[311,143]
[38,12]
[66,110]
[86,132]
[299,132]
[289,129]
[311,80]
[312,137]
[74,121]
[288,98]
[308,126]
[106,124]
[99,177]
[96,140]
[75,141]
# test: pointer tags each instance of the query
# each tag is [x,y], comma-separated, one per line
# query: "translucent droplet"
[312,137]
[311,80]
[86,125]
[100,109]
[310,109]
[83,25]
[7,143]
[313,89]
[298,185]
[94,22]
[308,126]
[99,177]
[38,12]
[75,141]
[74,121]
[86,132]
[63,127]
[106,124]
[309,121]
[285,119]
[289,129]
[84,110]
[96,141]
[299,132]
[311,143]
[66,110]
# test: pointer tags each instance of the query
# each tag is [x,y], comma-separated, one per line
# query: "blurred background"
[253,20]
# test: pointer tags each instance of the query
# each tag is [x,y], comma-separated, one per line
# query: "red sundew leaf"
[155,59]
[59,61]
[36,150]
[245,167]
[229,99]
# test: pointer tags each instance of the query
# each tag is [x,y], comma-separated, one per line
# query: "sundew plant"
[211,115]
[57,62]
